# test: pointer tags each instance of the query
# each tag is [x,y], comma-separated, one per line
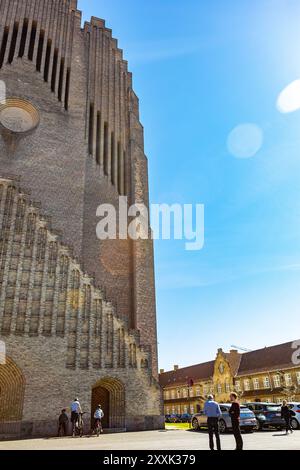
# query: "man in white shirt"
[75,410]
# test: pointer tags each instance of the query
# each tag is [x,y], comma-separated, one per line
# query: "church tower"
[77,315]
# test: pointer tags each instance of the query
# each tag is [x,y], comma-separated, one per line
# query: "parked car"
[295,414]
[185,418]
[248,421]
[173,418]
[268,415]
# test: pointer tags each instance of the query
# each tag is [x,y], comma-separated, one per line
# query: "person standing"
[286,415]
[213,412]
[63,423]
[235,412]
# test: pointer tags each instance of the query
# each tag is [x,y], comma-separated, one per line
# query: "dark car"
[185,418]
[173,418]
[268,415]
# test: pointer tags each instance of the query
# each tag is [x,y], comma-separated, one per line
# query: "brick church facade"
[77,315]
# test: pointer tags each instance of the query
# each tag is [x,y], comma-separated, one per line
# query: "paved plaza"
[158,440]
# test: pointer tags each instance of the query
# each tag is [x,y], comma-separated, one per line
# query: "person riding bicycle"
[98,415]
[75,410]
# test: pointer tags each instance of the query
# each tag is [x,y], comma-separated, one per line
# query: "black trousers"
[213,430]
[288,426]
[237,434]
[62,429]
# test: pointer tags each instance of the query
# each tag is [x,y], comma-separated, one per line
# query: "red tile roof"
[267,359]
[181,376]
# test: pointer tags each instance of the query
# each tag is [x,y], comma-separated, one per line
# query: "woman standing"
[286,415]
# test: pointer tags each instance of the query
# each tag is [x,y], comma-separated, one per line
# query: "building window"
[198,391]
[205,389]
[276,381]
[185,409]
[167,395]
[219,388]
[256,384]
[191,392]
[288,380]
[227,387]
[192,409]
[167,410]
[184,392]
[173,410]
[173,394]
[178,393]
[266,382]
[238,386]
[247,385]
[298,377]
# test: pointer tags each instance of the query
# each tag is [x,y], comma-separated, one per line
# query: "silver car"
[248,421]
[295,414]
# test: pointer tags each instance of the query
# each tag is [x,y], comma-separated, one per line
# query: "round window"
[18,116]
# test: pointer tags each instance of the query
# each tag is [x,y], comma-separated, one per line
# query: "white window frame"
[277,381]
[267,383]
[256,383]
[247,385]
[288,380]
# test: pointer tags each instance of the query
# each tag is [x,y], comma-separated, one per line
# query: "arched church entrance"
[110,394]
[12,390]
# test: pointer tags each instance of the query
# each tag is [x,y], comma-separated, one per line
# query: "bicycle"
[78,425]
[97,427]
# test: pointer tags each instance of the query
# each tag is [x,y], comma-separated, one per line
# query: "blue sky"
[201,68]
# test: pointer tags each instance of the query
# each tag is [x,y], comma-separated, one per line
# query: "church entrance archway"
[12,390]
[110,394]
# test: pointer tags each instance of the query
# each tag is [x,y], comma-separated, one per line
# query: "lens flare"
[245,140]
[289,99]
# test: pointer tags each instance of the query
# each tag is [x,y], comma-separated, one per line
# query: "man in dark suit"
[235,413]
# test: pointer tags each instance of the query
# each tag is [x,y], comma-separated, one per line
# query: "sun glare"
[289,99]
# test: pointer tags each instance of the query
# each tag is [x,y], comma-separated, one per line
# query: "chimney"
[176,367]
[162,371]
